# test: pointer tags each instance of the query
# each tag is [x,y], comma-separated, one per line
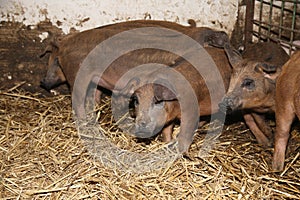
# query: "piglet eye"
[160,104]
[134,101]
[248,84]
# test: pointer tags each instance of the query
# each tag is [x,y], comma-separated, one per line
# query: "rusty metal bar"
[256,22]
[293,26]
[290,1]
[279,7]
[249,22]
[260,19]
[269,30]
[281,19]
[255,33]
[270,18]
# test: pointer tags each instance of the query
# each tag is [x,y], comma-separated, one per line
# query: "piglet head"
[54,76]
[252,84]
[151,109]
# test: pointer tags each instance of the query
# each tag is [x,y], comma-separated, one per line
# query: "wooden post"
[249,22]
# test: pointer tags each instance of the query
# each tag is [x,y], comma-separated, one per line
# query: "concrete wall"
[83,14]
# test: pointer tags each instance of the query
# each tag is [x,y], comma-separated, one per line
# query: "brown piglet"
[68,53]
[287,107]
[252,88]
[158,107]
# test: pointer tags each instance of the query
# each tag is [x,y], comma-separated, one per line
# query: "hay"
[43,157]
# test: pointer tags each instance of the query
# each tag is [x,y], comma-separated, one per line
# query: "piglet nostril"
[223,107]
[44,85]
[143,124]
[229,102]
[42,81]
[226,105]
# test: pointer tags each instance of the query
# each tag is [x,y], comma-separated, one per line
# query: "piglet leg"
[185,136]
[259,135]
[167,133]
[284,119]
[262,125]
[98,94]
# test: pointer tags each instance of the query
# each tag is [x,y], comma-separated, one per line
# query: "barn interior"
[44,157]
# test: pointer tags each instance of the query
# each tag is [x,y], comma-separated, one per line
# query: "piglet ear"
[52,46]
[269,71]
[48,49]
[163,93]
[130,87]
[233,55]
[217,39]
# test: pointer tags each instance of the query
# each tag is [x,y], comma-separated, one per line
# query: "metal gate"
[273,20]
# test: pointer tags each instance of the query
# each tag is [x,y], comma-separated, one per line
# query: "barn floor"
[43,157]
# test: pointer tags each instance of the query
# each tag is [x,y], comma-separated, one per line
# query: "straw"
[42,156]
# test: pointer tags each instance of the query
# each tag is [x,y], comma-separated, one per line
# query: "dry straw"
[43,157]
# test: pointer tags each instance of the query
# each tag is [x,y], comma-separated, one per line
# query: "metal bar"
[260,17]
[281,19]
[276,6]
[249,22]
[270,18]
[255,34]
[293,26]
[257,23]
[278,32]
[291,1]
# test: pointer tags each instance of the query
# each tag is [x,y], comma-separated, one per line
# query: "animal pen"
[273,20]
[43,157]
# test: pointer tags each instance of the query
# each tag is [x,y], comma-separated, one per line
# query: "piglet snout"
[143,127]
[226,105]
[45,85]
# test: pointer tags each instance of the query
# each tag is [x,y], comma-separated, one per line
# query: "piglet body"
[68,53]
[158,107]
[287,107]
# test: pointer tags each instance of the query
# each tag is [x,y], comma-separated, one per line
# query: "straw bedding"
[42,156]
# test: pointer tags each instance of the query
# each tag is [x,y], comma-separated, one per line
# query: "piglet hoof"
[277,166]
[271,142]
[278,161]
[187,156]
[183,147]
[173,145]
[265,143]
[268,144]
[98,100]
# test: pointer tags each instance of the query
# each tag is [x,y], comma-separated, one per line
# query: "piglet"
[252,86]
[67,53]
[252,89]
[157,106]
[287,107]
